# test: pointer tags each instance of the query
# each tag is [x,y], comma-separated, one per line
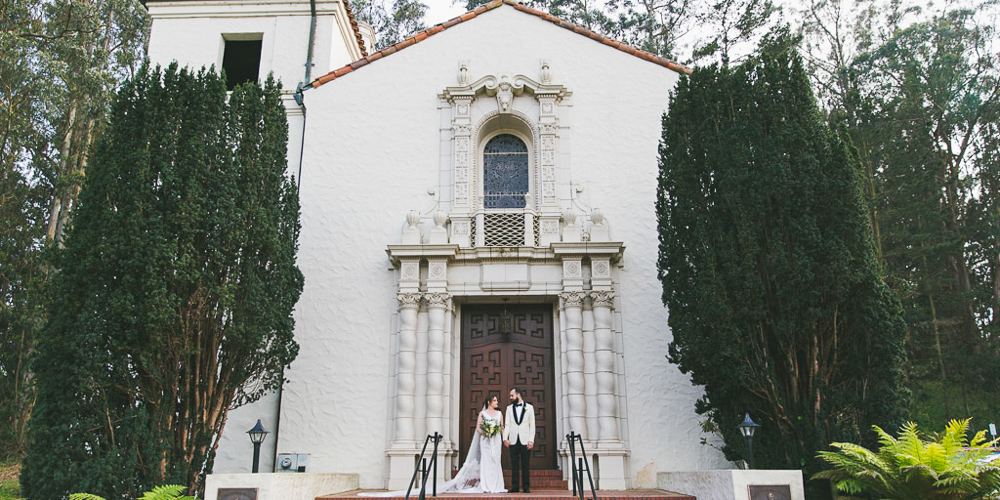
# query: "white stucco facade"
[395,242]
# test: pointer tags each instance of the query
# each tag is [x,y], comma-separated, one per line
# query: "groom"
[519,436]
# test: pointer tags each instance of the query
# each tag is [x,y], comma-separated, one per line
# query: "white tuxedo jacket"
[525,431]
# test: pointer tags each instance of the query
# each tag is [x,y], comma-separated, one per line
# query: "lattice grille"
[503,229]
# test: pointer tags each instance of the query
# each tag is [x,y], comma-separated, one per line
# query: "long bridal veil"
[466,481]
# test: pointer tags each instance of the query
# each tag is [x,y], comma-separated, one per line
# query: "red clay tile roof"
[357,30]
[422,35]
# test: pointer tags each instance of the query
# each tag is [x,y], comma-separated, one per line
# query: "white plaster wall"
[282,486]
[373,148]
[729,484]
[235,452]
[191,33]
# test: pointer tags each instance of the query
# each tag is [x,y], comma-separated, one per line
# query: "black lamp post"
[747,428]
[257,435]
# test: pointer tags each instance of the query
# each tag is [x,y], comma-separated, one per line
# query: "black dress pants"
[520,457]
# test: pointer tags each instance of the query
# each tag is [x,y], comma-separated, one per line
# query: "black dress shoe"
[513,490]
[526,490]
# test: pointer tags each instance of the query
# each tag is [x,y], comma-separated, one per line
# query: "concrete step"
[535,495]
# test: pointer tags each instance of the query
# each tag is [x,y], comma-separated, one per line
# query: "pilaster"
[608,434]
[438,302]
[405,438]
[572,305]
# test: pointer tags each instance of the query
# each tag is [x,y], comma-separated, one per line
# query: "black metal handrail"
[578,470]
[422,467]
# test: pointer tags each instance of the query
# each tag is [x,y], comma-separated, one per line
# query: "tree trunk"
[55,212]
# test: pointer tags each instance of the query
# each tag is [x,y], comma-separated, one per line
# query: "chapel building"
[477,214]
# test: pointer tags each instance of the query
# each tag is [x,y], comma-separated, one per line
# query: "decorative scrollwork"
[602,298]
[437,299]
[573,299]
[408,300]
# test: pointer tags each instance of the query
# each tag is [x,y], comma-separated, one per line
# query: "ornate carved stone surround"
[559,263]
[512,104]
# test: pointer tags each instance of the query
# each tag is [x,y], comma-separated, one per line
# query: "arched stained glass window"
[505,172]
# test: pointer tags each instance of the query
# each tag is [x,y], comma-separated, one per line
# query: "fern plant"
[166,492]
[947,467]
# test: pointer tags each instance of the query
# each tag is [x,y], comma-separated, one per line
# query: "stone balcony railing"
[506,227]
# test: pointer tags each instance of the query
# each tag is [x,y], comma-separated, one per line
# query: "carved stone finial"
[527,200]
[571,231]
[546,73]
[569,216]
[597,216]
[463,73]
[439,235]
[411,235]
[599,231]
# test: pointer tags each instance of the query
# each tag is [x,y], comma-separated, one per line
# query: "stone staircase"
[545,485]
[542,480]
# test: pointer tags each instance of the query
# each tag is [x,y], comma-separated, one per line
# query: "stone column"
[406,383]
[573,305]
[590,370]
[605,355]
[437,307]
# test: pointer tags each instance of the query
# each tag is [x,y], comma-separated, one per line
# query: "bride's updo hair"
[491,397]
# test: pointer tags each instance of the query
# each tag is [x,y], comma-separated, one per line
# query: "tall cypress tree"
[777,307]
[174,297]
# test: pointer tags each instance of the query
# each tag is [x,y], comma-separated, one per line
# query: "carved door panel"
[494,361]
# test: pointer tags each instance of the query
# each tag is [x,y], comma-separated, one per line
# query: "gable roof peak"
[516,4]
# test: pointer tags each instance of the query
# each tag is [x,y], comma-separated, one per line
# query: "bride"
[481,472]
[489,427]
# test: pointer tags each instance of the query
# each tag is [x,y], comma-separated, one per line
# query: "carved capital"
[437,299]
[408,300]
[602,298]
[573,299]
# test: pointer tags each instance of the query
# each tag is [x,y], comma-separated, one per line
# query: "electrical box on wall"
[292,462]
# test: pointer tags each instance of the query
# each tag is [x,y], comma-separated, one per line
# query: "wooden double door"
[502,351]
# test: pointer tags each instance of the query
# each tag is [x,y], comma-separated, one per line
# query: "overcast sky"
[442,10]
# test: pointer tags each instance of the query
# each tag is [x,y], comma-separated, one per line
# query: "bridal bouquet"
[490,427]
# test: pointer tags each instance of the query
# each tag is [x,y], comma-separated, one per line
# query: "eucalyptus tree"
[59,62]
[776,303]
[393,22]
[176,286]
[931,97]
[917,92]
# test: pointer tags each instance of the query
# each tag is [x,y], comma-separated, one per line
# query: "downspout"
[305,81]
[300,100]
[312,40]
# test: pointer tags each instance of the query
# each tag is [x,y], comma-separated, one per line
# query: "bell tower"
[297,40]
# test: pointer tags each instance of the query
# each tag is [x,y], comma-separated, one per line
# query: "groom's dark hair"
[518,391]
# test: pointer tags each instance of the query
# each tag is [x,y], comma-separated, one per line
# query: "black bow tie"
[518,405]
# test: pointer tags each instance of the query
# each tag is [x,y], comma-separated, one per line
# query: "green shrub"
[167,492]
[947,467]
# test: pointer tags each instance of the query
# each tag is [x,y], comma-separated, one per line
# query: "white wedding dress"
[481,472]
